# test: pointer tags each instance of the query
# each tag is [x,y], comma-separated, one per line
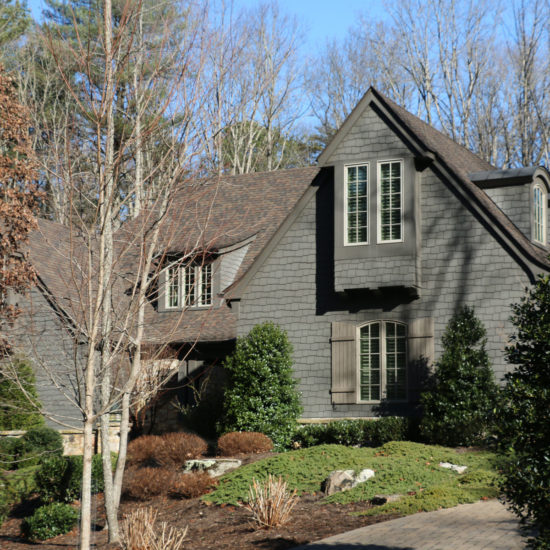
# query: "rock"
[343,480]
[214,467]
[378,500]
[454,467]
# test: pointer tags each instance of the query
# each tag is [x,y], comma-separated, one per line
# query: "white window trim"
[382,323]
[378,203]
[544,193]
[198,271]
[346,166]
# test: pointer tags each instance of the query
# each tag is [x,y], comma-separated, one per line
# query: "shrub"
[457,408]
[59,478]
[144,483]
[38,444]
[143,450]
[18,388]
[175,448]
[261,394]
[365,433]
[138,530]
[523,420]
[192,485]
[270,503]
[243,442]
[49,521]
[9,449]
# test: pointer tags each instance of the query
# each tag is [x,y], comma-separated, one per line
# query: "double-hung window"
[539,214]
[189,286]
[390,201]
[383,361]
[356,200]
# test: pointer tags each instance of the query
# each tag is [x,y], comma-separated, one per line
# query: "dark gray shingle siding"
[40,335]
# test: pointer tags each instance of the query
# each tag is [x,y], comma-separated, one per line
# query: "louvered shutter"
[344,363]
[420,353]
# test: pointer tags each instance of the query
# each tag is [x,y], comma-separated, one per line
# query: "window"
[356,200]
[383,361]
[189,285]
[539,214]
[390,200]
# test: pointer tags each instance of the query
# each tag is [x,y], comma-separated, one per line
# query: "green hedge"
[364,433]
[49,521]
[59,478]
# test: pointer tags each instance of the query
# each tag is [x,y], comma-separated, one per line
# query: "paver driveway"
[480,526]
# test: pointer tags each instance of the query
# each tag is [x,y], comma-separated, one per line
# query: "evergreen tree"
[523,419]
[261,394]
[457,408]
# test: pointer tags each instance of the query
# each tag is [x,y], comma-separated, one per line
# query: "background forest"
[234,88]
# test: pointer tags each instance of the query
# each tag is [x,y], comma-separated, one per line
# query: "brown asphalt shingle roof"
[216,214]
[461,162]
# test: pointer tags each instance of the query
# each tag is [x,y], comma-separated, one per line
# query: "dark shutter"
[421,354]
[344,363]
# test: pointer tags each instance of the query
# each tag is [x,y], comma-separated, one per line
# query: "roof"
[216,214]
[59,257]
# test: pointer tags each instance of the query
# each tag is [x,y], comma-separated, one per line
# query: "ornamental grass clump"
[139,531]
[235,443]
[270,503]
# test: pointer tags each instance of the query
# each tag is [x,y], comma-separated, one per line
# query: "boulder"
[453,467]
[214,467]
[343,480]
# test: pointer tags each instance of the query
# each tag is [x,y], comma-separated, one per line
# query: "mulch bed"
[211,526]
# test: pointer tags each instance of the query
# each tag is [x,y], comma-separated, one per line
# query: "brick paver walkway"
[480,526]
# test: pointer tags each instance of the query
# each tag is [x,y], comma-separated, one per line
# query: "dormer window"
[189,286]
[356,200]
[539,213]
[390,201]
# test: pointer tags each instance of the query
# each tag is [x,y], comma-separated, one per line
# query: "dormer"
[196,281]
[375,194]
[522,194]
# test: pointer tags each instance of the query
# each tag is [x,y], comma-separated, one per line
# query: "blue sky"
[322,19]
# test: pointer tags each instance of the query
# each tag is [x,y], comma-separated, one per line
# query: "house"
[362,259]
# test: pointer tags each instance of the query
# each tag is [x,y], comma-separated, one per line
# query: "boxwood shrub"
[364,433]
[49,521]
[38,444]
[59,478]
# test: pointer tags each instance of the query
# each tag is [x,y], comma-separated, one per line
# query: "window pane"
[206,285]
[395,361]
[190,289]
[173,287]
[390,201]
[357,204]
[369,375]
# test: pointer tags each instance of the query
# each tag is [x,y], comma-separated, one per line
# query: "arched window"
[539,213]
[383,361]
